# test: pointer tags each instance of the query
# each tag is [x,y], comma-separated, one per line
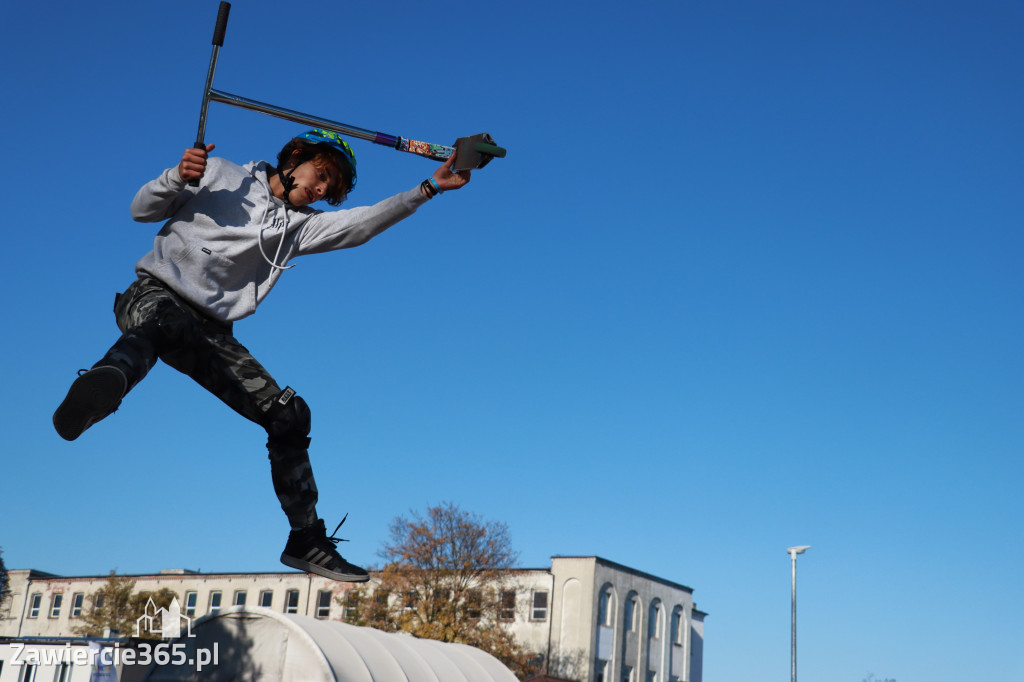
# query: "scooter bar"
[218,41]
[475,154]
[471,152]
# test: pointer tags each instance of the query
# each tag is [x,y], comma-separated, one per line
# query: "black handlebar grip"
[197,145]
[222,23]
[490,149]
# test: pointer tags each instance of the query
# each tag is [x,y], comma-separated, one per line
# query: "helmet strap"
[287,182]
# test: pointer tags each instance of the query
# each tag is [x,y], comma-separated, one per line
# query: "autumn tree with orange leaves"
[443,578]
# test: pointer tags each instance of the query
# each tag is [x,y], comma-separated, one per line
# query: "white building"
[591,619]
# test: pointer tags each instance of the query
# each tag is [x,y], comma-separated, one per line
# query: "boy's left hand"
[448,180]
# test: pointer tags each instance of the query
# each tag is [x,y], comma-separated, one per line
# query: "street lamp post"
[793,551]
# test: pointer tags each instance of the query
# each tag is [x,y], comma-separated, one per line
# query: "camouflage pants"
[156,323]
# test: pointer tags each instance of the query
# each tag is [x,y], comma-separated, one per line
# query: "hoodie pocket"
[210,279]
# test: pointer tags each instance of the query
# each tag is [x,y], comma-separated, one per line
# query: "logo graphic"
[166,623]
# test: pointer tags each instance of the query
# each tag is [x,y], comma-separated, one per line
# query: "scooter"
[474,151]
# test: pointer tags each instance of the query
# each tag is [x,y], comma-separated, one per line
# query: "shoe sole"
[92,396]
[307,567]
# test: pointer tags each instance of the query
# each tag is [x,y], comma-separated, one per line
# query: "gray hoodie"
[226,242]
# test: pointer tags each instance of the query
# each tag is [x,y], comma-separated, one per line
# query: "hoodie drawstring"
[259,238]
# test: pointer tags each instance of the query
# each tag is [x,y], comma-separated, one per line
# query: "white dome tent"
[256,644]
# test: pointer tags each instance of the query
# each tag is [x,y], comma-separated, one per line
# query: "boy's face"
[312,182]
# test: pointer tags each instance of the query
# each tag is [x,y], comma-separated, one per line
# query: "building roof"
[631,571]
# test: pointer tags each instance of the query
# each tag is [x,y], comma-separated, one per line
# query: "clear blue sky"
[749,277]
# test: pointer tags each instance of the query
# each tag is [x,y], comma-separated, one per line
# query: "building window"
[654,621]
[323,604]
[28,673]
[600,670]
[507,609]
[442,596]
[352,599]
[291,601]
[627,673]
[215,601]
[630,621]
[55,603]
[239,598]
[677,626]
[474,602]
[266,598]
[540,606]
[190,603]
[605,607]
[35,604]
[63,672]
[77,599]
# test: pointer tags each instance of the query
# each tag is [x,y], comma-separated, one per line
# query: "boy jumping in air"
[223,245]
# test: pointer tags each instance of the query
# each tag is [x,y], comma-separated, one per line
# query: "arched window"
[630,622]
[606,606]
[654,620]
[677,626]
[677,654]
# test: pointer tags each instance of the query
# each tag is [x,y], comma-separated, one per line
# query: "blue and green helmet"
[336,143]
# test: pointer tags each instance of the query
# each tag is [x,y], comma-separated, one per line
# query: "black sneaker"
[310,550]
[94,395]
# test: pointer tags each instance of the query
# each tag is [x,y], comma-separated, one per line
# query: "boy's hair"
[320,155]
